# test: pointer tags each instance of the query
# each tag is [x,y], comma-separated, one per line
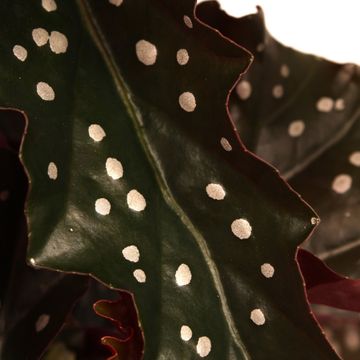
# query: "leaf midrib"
[121,87]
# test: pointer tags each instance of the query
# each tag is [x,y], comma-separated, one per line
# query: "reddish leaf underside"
[129,344]
[326,287]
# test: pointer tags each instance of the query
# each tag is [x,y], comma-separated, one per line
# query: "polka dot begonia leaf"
[140,179]
[302,115]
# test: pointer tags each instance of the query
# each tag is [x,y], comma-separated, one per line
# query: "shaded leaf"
[59,351]
[301,114]
[342,328]
[337,240]
[326,287]
[13,187]
[84,329]
[34,314]
[198,255]
[12,127]
[129,342]
[31,312]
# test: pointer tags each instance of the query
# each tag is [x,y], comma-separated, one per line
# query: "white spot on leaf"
[32,261]
[284,71]
[278,91]
[146,52]
[20,52]
[96,132]
[241,228]
[183,275]
[340,104]
[52,171]
[203,346]
[257,316]
[102,206]
[215,191]
[116,2]
[49,5]
[325,104]
[267,270]
[131,253]
[244,89]
[58,42]
[40,36]
[342,183]
[315,221]
[182,57]
[45,91]
[114,168]
[354,158]
[139,275]
[296,128]
[135,200]
[185,333]
[225,144]
[187,101]
[42,322]
[188,22]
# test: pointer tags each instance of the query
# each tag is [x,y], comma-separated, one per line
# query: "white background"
[329,28]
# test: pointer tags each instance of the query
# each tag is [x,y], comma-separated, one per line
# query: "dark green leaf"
[170,152]
[326,287]
[310,132]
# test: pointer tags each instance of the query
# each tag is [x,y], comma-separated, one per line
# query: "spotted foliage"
[301,113]
[105,80]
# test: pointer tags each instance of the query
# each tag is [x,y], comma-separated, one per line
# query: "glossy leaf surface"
[166,122]
[301,113]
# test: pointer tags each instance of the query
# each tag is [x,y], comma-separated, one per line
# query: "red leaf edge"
[326,287]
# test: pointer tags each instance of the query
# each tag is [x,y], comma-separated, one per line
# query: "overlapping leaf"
[128,342]
[342,329]
[85,332]
[164,116]
[325,286]
[301,113]
[31,312]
